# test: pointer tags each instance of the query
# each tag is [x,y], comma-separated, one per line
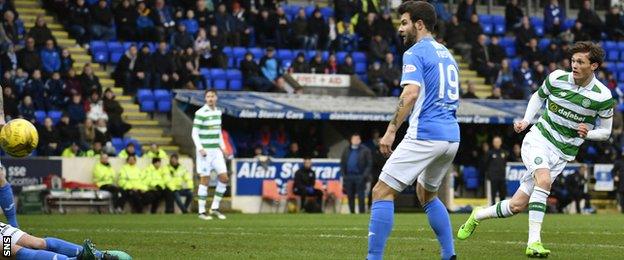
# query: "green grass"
[325,236]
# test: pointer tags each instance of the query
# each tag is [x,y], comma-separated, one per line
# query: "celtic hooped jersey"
[568,105]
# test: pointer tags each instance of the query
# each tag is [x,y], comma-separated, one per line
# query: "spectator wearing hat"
[269,65]
[299,65]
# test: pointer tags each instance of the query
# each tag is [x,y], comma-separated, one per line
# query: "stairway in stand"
[144,129]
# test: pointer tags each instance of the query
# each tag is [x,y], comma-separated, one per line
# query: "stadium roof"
[322,107]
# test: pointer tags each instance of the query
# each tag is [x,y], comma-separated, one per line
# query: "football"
[18,138]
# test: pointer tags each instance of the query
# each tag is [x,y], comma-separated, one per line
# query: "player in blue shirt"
[430,84]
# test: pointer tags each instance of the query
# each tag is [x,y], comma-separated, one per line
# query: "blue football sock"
[382,218]
[28,254]
[441,224]
[62,247]
[6,202]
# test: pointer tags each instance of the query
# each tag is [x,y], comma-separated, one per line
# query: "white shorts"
[13,232]
[537,153]
[424,160]
[213,160]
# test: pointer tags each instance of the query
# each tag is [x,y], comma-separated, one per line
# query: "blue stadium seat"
[498,19]
[98,46]
[286,64]
[487,28]
[619,66]
[610,45]
[228,51]
[499,29]
[137,145]
[327,12]
[219,84]
[484,18]
[285,54]
[126,45]
[100,57]
[396,92]
[118,144]
[231,62]
[515,63]
[359,56]
[360,67]
[471,177]
[536,21]
[115,57]
[164,106]
[613,55]
[257,52]
[510,51]
[568,23]
[148,106]
[620,76]
[144,94]
[309,54]
[233,74]
[217,74]
[40,116]
[611,66]
[507,41]
[543,43]
[309,9]
[162,95]
[239,52]
[340,56]
[99,51]
[539,30]
[55,115]
[235,84]
[114,46]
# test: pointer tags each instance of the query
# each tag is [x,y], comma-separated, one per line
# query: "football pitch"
[318,236]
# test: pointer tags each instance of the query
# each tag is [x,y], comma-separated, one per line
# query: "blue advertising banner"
[250,173]
[30,171]
[515,171]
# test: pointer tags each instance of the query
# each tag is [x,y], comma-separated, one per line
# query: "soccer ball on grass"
[18,138]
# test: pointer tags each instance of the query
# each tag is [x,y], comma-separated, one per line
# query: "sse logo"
[407,68]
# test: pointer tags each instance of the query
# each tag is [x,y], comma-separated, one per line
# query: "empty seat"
[164,106]
[499,29]
[360,67]
[239,52]
[484,18]
[148,106]
[284,54]
[55,115]
[487,28]
[162,95]
[233,74]
[235,84]
[257,52]
[40,116]
[217,74]
[359,56]
[219,84]
[144,94]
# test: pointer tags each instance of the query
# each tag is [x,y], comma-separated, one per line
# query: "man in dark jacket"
[79,21]
[164,68]
[355,166]
[305,178]
[495,170]
[575,184]
[102,26]
[252,75]
[28,58]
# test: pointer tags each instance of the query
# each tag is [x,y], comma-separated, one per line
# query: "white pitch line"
[311,235]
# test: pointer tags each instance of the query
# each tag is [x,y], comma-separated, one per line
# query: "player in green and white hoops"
[578,108]
[209,146]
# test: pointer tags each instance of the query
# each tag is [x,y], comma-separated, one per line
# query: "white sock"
[498,210]
[202,193]
[219,191]
[537,210]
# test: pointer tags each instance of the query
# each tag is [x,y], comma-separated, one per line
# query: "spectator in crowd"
[614,24]
[163,19]
[10,103]
[114,110]
[455,37]
[252,75]
[156,152]
[378,161]
[553,54]
[378,48]
[482,60]
[513,14]
[27,108]
[105,178]
[376,81]
[131,181]
[188,68]
[524,80]
[89,81]
[217,42]
[54,91]
[87,132]
[366,29]
[265,28]
[35,89]
[50,58]
[181,39]
[102,134]
[228,25]
[19,82]
[72,84]
[496,94]
[575,184]
[102,26]
[130,150]
[269,65]
[293,151]
[591,21]
[496,161]
[299,65]
[191,24]
[13,27]
[28,58]
[283,28]
[279,142]
[347,67]
[95,150]
[579,33]
[345,9]
[180,183]
[126,20]
[95,108]
[318,31]
[67,62]
[465,10]
[305,180]
[470,91]
[532,54]
[505,79]
[473,30]
[127,73]
[76,110]
[524,34]
[40,32]
[79,21]
[69,133]
[385,27]
[49,139]
[164,73]
[554,16]
[391,71]
[204,14]
[355,164]
[496,52]
[299,31]
[71,151]
[331,67]
[202,48]
[156,178]
[618,178]
[8,60]
[515,155]
[145,27]
[317,65]
[6,6]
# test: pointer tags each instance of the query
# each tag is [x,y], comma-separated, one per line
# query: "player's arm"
[535,103]
[195,135]
[404,107]
[601,132]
